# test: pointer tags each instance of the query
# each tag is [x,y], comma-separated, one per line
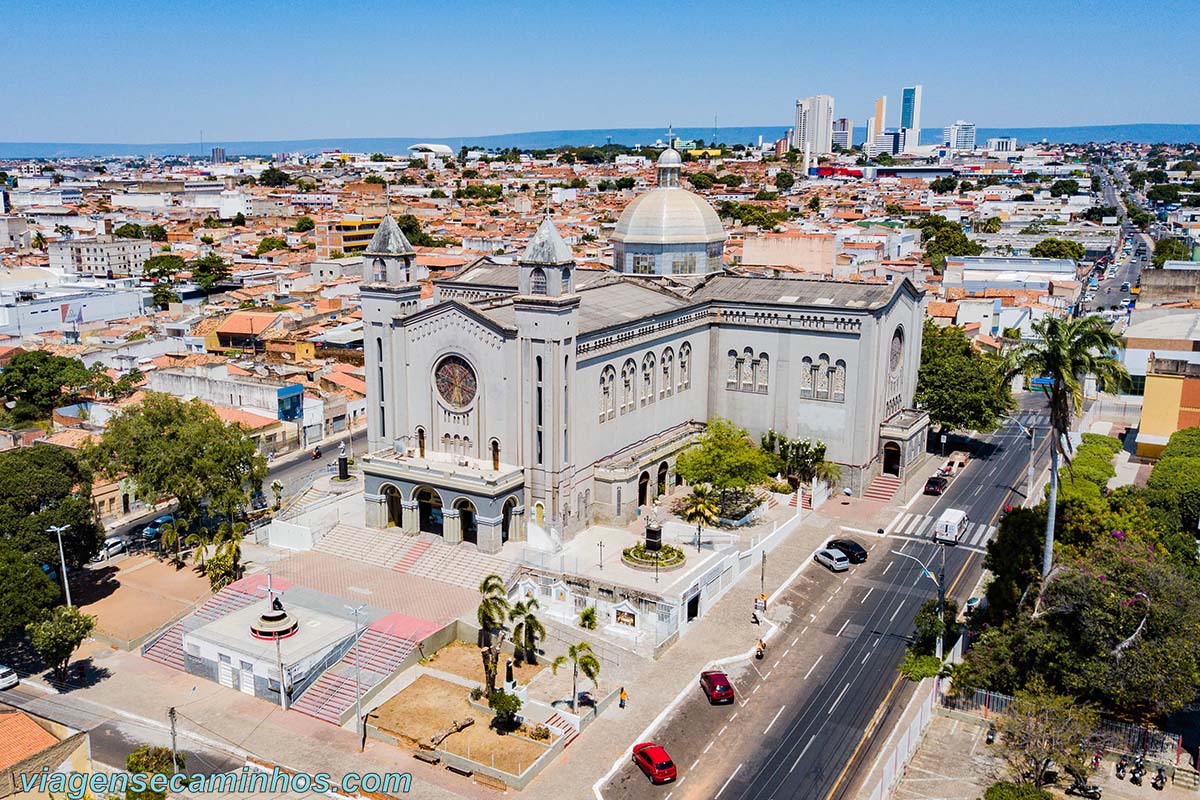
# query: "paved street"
[798,728]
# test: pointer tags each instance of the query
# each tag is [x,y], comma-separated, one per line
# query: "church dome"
[669,215]
[669,158]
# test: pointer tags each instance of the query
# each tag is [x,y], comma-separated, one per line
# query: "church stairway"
[883,488]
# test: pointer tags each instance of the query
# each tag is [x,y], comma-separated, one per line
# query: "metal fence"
[894,763]
[1116,735]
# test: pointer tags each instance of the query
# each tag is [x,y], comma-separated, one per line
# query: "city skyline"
[438,77]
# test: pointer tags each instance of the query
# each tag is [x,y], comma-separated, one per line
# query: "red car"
[654,761]
[717,686]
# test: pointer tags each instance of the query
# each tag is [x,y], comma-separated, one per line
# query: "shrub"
[1004,790]
[1185,443]
[1110,443]
[587,618]
[917,668]
[667,556]
[736,503]
[477,693]
[540,733]
[780,487]
[505,706]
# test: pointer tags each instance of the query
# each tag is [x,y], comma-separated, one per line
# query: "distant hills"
[747,134]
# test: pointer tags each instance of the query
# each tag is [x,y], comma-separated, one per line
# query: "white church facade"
[526,401]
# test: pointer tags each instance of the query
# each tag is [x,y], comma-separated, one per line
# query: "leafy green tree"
[702,180]
[162,295]
[274,177]
[943,185]
[801,460]
[155,233]
[959,385]
[173,535]
[1170,250]
[1013,558]
[1042,728]
[724,457]
[375,179]
[1062,187]
[582,660]
[527,629]
[814,203]
[950,241]
[26,591]
[163,267]
[1187,166]
[270,243]
[172,448]
[304,224]
[150,760]
[625,183]
[39,241]
[239,220]
[926,627]
[1058,248]
[128,231]
[57,635]
[729,179]
[220,571]
[209,270]
[1024,197]
[1098,213]
[894,210]
[505,706]
[784,180]
[1065,352]
[43,380]
[992,225]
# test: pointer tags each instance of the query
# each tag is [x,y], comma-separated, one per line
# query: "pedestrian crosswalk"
[909,525]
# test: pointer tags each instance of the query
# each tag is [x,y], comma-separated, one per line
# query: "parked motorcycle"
[1097,757]
[991,734]
[1135,775]
[1083,789]
[1160,779]
[1122,765]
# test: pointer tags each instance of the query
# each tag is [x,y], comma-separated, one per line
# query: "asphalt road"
[113,737]
[810,715]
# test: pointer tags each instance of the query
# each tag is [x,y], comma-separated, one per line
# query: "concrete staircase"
[168,648]
[805,503]
[883,488]
[1186,778]
[379,654]
[563,728]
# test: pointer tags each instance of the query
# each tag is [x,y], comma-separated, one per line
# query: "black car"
[855,552]
[936,485]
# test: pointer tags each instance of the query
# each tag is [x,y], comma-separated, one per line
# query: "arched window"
[537,408]
[421,442]
[608,393]
[822,377]
[379,270]
[762,370]
[649,376]
[668,373]
[566,280]
[628,376]
[685,366]
[748,368]
[806,377]
[732,369]
[495,455]
[379,348]
[839,380]
[537,281]
[446,443]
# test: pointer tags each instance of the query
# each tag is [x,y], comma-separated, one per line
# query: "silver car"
[8,678]
[834,560]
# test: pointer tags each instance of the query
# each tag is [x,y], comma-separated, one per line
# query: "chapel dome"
[669,215]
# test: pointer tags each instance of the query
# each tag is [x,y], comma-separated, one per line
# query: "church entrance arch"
[891,459]
[662,478]
[466,519]
[510,505]
[429,510]
[395,510]
[644,489]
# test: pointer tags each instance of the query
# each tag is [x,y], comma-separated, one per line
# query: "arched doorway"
[429,510]
[891,459]
[643,488]
[125,503]
[466,520]
[662,478]
[395,509]
[510,505]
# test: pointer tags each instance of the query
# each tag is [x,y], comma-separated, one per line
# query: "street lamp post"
[1032,434]
[58,529]
[940,583]
[356,610]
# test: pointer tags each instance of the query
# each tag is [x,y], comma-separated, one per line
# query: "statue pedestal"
[343,468]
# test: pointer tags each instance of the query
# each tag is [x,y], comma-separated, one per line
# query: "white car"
[111,547]
[8,677]
[835,560]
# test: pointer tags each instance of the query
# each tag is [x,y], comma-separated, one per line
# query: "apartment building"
[100,257]
[350,234]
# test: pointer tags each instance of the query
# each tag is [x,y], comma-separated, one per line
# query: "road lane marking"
[868,594]
[731,719]
[814,666]
[785,652]
[694,763]
[774,719]
[776,664]
[897,611]
[767,675]
[802,752]
[668,797]
[723,727]
[843,628]
[839,698]
[885,569]
[709,746]
[850,761]
[756,688]
[731,777]
[864,660]
[798,637]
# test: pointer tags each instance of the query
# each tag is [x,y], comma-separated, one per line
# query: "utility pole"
[174,751]
[762,573]
[358,726]
[58,529]
[602,554]
[940,583]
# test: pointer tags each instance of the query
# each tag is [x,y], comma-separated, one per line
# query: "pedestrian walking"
[624,697]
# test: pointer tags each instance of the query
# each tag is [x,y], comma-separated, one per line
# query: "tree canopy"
[58,634]
[270,243]
[1058,248]
[163,267]
[784,180]
[26,591]
[943,238]
[725,457]
[304,224]
[43,380]
[274,177]
[172,448]
[958,384]
[1170,250]
[128,231]
[209,270]
[1065,186]
[943,185]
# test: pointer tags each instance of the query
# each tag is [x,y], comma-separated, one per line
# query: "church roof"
[389,240]
[603,305]
[547,247]
[669,215]
[846,295]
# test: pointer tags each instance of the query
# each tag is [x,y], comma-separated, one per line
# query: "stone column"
[376,511]
[489,532]
[411,516]
[451,525]
[516,525]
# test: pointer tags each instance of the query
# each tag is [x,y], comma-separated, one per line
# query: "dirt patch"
[463,659]
[429,706]
[137,594]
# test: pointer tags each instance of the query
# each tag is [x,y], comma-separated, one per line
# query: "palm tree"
[527,629]
[39,241]
[582,659]
[1065,352]
[199,541]
[228,541]
[700,507]
[173,535]
[492,613]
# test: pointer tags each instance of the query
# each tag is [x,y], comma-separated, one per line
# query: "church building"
[527,401]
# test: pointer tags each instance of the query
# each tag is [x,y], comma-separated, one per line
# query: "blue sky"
[90,71]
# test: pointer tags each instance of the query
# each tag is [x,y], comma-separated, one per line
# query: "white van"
[950,526]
